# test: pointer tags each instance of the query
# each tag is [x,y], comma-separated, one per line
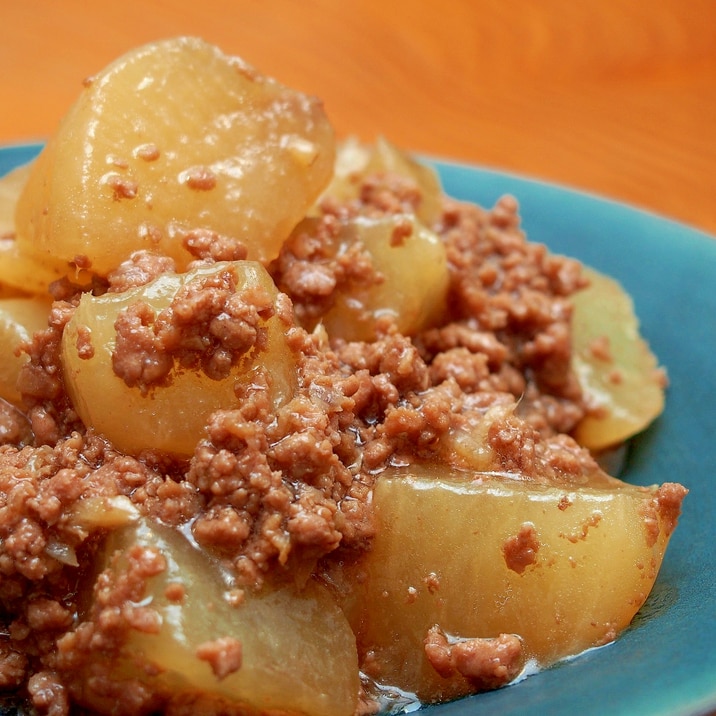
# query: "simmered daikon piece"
[463,558]
[11,185]
[618,372]
[20,318]
[146,367]
[283,648]
[20,274]
[171,139]
[23,274]
[406,280]
[356,161]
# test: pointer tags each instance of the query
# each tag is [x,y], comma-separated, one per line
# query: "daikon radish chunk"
[145,395]
[170,139]
[614,364]
[467,556]
[282,649]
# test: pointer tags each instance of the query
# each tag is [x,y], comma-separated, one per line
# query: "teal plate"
[665,663]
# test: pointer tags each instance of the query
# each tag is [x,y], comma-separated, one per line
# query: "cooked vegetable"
[283,649]
[11,186]
[617,370]
[159,395]
[19,319]
[480,555]
[412,279]
[246,576]
[20,273]
[172,139]
[355,161]
[390,268]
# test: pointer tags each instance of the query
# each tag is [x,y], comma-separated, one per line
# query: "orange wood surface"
[617,97]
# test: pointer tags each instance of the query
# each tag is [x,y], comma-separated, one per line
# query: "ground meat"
[520,550]
[140,268]
[509,301]
[581,534]
[508,325]
[44,536]
[663,511]
[148,152]
[41,382]
[137,357]
[198,178]
[13,668]
[223,655]
[122,187]
[317,263]
[276,485]
[209,326]
[48,693]
[487,663]
[209,246]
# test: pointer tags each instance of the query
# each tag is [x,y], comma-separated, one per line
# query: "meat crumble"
[487,663]
[268,487]
[521,549]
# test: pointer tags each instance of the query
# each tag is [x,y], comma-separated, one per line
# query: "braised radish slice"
[20,317]
[465,558]
[618,372]
[282,649]
[173,138]
[145,370]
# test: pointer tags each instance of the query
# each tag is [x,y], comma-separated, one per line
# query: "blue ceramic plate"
[665,663]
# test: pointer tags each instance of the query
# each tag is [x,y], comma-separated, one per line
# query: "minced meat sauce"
[265,486]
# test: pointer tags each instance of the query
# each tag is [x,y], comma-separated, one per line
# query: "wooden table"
[617,97]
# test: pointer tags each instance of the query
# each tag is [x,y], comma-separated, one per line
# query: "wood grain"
[616,97]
